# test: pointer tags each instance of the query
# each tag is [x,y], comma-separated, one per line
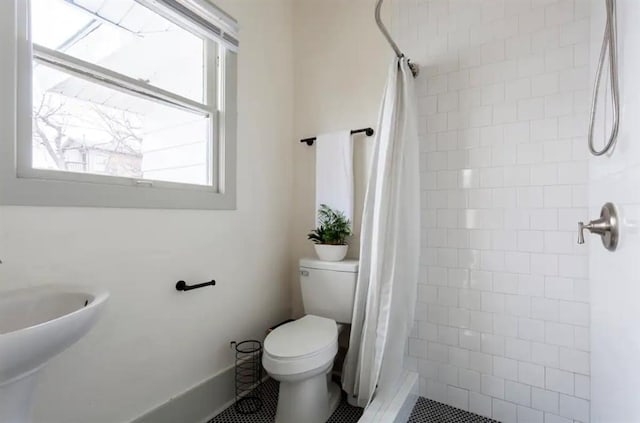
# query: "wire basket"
[248,377]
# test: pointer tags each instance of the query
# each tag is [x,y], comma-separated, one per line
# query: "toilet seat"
[301,346]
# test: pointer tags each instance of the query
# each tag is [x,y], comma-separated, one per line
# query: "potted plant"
[330,237]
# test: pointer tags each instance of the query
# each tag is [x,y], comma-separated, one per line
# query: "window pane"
[125,37]
[80,126]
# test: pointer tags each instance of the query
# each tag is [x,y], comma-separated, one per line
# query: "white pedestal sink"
[36,324]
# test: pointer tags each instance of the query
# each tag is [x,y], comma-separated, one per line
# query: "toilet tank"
[328,288]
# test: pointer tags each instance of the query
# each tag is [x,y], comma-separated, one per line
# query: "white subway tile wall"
[502,314]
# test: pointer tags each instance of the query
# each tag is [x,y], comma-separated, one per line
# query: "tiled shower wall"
[503,306]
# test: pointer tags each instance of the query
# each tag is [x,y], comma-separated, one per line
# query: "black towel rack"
[368,132]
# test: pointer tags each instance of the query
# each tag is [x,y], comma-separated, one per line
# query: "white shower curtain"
[390,246]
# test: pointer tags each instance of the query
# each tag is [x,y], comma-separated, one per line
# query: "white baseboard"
[198,404]
[396,409]
[209,398]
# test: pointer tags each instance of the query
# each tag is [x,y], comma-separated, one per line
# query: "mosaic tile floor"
[428,411]
[425,411]
[344,414]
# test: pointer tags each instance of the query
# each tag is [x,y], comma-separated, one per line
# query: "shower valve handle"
[606,226]
[598,226]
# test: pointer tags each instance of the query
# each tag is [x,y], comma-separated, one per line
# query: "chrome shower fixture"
[607,226]
[609,45]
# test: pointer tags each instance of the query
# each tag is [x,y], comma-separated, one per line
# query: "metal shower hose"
[608,45]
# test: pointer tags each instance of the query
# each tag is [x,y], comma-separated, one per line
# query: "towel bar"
[368,132]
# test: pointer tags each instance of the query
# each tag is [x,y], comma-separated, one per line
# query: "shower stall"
[515,319]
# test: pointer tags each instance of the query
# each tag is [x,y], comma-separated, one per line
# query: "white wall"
[503,312]
[154,343]
[614,277]
[340,65]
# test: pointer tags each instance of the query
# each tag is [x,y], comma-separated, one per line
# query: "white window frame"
[21,184]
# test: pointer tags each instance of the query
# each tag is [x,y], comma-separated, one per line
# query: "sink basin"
[37,324]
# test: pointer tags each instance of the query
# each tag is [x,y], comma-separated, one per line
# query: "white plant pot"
[327,252]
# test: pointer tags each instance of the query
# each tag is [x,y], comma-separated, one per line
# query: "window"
[126,103]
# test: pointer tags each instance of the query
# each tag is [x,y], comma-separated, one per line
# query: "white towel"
[334,172]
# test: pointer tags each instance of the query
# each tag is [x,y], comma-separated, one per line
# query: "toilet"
[300,354]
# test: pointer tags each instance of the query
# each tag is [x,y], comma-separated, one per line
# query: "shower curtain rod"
[368,132]
[414,68]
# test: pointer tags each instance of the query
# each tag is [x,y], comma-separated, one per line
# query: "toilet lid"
[301,337]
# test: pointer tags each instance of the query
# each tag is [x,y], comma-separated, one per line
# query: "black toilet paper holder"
[182,285]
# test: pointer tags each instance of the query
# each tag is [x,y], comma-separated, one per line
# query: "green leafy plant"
[334,227]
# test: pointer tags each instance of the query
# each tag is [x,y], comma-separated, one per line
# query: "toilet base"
[311,400]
